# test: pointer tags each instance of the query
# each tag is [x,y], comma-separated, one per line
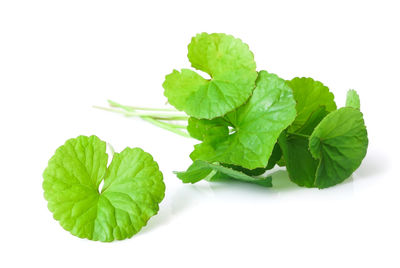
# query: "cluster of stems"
[166,118]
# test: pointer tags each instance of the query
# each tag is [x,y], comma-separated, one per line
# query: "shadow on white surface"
[374,164]
[281,182]
[186,196]
[176,202]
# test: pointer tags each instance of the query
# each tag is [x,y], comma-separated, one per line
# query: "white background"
[58,58]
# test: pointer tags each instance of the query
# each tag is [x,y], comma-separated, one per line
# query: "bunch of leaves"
[249,121]
[132,189]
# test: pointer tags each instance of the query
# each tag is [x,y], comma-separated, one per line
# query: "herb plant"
[133,187]
[247,121]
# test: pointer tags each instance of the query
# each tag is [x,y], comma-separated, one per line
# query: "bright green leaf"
[310,95]
[133,188]
[203,170]
[273,160]
[232,69]
[255,126]
[203,129]
[353,100]
[196,172]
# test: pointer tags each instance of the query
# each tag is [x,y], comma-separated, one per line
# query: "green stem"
[152,109]
[165,123]
[166,126]
[109,109]
[116,104]
[131,113]
[134,108]
[170,117]
[175,128]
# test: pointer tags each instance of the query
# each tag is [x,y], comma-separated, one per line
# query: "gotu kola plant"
[249,121]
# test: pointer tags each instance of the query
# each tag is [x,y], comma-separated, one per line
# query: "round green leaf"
[340,143]
[310,95]
[255,126]
[232,69]
[133,188]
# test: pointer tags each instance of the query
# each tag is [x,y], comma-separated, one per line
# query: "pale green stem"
[151,119]
[163,116]
[210,175]
[134,108]
[150,109]
[132,113]
[166,126]
[177,126]
[116,104]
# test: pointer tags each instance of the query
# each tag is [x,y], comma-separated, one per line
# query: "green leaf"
[353,100]
[332,153]
[300,165]
[340,143]
[200,170]
[232,69]
[315,118]
[275,157]
[203,129]
[310,95]
[297,158]
[273,160]
[281,162]
[133,188]
[255,126]
[196,172]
